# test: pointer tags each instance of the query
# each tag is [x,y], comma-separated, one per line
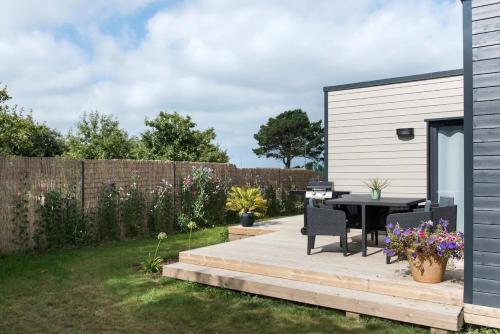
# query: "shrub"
[161,214]
[273,202]
[281,202]
[107,213]
[61,221]
[131,209]
[203,199]
[244,199]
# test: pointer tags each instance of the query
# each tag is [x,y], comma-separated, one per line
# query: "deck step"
[341,278]
[434,315]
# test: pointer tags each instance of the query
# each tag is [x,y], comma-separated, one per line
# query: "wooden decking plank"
[341,279]
[396,308]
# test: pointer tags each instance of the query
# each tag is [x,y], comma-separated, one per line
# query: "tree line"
[169,136]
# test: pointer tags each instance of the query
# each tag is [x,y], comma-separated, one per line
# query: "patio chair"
[446,201]
[407,220]
[326,221]
[448,213]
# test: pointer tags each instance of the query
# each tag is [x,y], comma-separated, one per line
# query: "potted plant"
[427,248]
[376,185]
[248,203]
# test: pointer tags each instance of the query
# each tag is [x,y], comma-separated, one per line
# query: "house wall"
[362,120]
[485,15]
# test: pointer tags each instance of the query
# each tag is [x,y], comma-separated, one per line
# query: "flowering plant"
[428,241]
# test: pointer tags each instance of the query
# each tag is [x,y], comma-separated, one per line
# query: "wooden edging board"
[482,315]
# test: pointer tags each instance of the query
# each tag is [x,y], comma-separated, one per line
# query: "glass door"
[446,163]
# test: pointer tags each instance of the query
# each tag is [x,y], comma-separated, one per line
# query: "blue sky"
[229,64]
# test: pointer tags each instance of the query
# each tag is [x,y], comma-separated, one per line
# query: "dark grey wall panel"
[486,285]
[486,52]
[486,25]
[487,121]
[486,272]
[487,259]
[492,148]
[487,231]
[490,246]
[486,66]
[487,299]
[487,203]
[486,94]
[486,80]
[477,3]
[484,12]
[486,135]
[486,39]
[486,107]
[487,217]
[489,176]
[486,189]
[483,162]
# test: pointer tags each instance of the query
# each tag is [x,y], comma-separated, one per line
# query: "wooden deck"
[274,263]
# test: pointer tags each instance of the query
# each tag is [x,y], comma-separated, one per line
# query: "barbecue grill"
[318,191]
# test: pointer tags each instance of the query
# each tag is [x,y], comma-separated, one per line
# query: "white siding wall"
[362,140]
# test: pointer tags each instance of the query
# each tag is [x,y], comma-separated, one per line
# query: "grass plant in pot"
[427,248]
[248,203]
[376,186]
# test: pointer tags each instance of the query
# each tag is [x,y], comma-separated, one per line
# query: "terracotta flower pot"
[427,270]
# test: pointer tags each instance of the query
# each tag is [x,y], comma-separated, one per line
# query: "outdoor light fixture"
[405,133]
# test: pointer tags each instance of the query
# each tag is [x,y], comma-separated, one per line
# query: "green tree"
[21,135]
[99,136]
[290,135]
[174,137]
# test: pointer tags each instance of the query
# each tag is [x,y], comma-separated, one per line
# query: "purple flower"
[386,250]
[397,231]
[443,222]
[390,226]
[430,241]
[430,223]
[387,240]
[413,255]
[391,253]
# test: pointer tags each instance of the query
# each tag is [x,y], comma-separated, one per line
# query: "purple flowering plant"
[428,241]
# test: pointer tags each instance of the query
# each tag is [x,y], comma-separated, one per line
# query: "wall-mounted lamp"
[405,133]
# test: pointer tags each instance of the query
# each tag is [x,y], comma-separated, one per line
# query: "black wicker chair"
[446,201]
[326,221]
[407,220]
[448,213]
[415,218]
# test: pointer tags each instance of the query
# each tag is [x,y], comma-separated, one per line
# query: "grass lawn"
[100,290]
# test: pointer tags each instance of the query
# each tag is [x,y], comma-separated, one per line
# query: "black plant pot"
[247,219]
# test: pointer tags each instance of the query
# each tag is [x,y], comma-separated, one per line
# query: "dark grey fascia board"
[396,80]
[443,119]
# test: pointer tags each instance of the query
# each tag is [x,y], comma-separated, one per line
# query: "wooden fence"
[23,178]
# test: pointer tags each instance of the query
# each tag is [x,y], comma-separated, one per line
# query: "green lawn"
[100,290]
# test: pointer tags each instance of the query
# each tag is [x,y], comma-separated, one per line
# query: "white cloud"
[230,64]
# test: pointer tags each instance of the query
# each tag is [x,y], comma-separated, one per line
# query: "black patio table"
[363,202]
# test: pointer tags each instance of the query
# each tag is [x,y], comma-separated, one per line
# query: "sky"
[229,64]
